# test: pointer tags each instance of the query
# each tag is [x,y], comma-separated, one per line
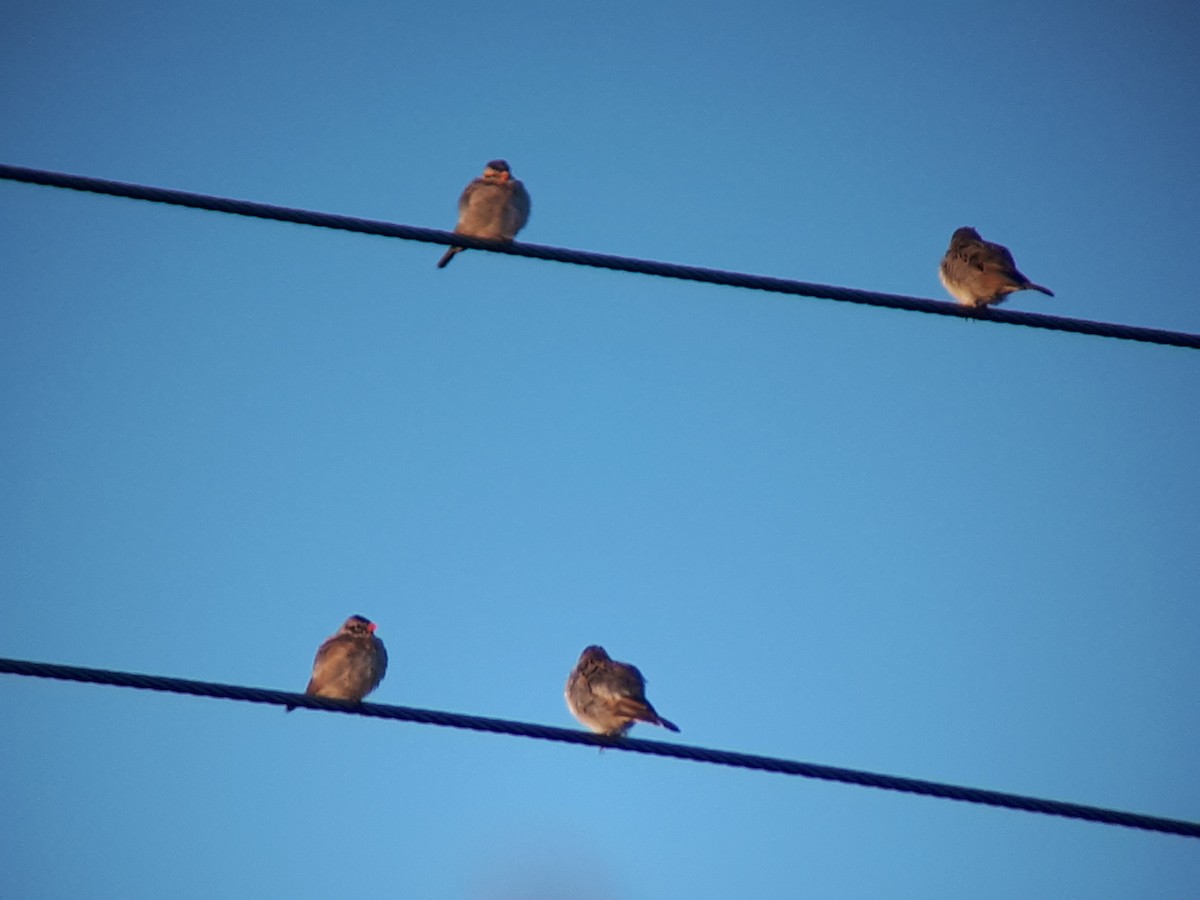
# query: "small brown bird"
[609,696]
[349,665]
[977,272]
[494,206]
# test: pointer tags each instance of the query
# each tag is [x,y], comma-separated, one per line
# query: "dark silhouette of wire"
[597,260]
[632,745]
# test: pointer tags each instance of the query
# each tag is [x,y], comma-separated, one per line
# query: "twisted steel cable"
[630,745]
[596,260]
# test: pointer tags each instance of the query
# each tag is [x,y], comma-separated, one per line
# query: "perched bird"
[977,272]
[350,664]
[494,206]
[609,696]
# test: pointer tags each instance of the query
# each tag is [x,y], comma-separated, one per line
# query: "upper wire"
[598,260]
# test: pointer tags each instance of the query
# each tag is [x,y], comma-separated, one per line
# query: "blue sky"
[949,550]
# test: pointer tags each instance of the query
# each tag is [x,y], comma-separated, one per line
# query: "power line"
[597,260]
[632,745]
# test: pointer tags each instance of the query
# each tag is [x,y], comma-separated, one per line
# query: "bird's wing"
[330,660]
[520,205]
[464,200]
[997,258]
[381,661]
[616,680]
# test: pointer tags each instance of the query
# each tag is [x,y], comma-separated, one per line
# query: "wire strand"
[631,745]
[597,260]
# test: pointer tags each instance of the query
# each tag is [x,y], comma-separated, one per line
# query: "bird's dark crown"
[499,165]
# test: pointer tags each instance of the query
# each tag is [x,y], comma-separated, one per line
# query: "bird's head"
[964,235]
[594,653]
[497,170]
[359,625]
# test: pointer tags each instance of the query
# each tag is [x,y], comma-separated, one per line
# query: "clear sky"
[950,550]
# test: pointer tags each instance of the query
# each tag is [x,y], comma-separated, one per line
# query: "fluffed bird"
[494,206]
[977,272]
[350,664]
[609,696]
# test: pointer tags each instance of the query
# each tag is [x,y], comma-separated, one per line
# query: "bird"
[350,664]
[977,272]
[494,206]
[609,696]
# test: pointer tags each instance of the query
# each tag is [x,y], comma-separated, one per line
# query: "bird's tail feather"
[643,712]
[1038,287]
[670,726]
[447,256]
